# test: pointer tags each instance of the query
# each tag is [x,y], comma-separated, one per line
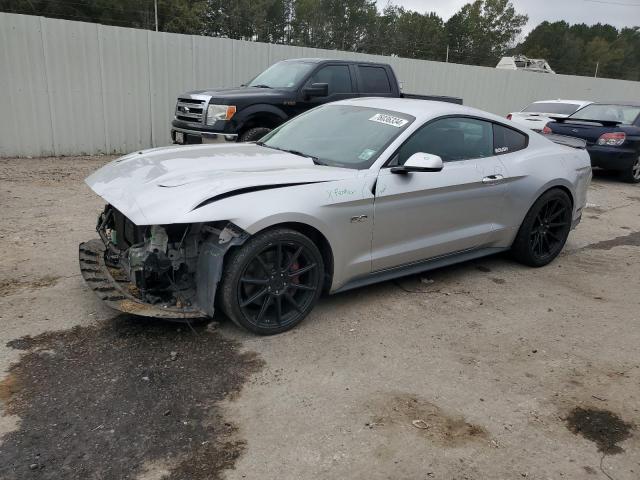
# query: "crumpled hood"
[160,186]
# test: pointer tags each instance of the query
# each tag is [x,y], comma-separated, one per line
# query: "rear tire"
[254,134]
[632,175]
[272,282]
[544,230]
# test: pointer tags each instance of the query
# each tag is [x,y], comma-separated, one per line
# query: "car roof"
[622,103]
[331,60]
[420,109]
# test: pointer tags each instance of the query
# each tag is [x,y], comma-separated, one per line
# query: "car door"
[374,81]
[423,215]
[339,80]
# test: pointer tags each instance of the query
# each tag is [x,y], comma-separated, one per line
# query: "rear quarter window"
[374,79]
[506,140]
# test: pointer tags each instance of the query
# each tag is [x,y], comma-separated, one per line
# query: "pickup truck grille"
[190,110]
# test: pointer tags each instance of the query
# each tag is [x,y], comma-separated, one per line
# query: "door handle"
[493,179]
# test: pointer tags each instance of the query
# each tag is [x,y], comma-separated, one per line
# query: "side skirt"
[423,266]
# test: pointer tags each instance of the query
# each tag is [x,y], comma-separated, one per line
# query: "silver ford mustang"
[347,194]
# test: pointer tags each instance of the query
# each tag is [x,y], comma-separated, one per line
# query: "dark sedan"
[612,133]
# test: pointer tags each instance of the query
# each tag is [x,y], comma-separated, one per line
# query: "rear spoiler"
[604,123]
[572,142]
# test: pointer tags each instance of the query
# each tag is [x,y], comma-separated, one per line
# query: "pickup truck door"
[418,216]
[376,81]
[341,85]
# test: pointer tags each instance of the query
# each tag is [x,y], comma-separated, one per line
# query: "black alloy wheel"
[544,230]
[273,281]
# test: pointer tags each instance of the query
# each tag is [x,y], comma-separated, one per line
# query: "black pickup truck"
[281,92]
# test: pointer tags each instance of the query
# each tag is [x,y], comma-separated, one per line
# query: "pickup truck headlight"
[219,112]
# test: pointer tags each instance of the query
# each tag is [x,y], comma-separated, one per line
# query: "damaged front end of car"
[166,271]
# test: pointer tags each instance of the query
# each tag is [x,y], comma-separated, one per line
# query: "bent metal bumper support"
[114,288]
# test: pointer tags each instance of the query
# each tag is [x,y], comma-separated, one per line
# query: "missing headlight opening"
[157,270]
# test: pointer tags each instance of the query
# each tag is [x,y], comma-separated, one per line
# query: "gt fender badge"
[359,218]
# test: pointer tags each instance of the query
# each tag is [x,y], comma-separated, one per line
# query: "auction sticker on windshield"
[389,120]
[366,154]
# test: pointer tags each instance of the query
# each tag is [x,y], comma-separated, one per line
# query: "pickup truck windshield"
[612,113]
[282,75]
[340,135]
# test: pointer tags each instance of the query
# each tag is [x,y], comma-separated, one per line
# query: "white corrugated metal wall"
[69,88]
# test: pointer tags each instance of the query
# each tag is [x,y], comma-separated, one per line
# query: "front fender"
[244,115]
[288,217]
[326,206]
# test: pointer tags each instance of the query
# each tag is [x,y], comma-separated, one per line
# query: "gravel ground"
[488,370]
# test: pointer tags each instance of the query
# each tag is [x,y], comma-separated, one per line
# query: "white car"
[536,115]
[344,195]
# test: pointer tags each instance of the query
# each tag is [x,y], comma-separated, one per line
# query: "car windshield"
[610,113]
[282,75]
[558,108]
[340,135]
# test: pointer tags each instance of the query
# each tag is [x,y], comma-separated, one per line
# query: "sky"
[620,13]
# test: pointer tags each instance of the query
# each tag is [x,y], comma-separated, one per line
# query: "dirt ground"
[486,370]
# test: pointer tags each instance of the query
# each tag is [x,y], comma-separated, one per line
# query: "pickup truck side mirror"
[316,90]
[420,162]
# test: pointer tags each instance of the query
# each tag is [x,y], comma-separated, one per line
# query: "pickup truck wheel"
[632,175]
[272,282]
[254,134]
[544,230]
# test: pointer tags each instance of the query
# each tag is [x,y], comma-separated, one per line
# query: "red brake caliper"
[294,267]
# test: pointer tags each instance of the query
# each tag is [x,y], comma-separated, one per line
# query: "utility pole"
[155,7]
[597,65]
[447,60]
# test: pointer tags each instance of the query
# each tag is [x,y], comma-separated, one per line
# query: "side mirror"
[420,162]
[316,90]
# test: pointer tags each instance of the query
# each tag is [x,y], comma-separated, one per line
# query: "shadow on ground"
[116,400]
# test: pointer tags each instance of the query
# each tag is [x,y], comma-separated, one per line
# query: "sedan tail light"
[613,139]
[546,130]
[509,117]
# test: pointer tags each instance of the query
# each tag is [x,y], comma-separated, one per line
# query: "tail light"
[509,117]
[546,130]
[613,139]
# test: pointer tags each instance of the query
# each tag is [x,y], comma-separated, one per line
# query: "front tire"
[272,282]
[632,175]
[544,230]
[254,134]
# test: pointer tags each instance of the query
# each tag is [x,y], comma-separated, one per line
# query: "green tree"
[482,31]
[333,24]
[184,16]
[577,49]
[421,36]
[629,67]
[407,34]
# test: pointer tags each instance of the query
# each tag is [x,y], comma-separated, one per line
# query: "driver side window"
[337,77]
[452,138]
